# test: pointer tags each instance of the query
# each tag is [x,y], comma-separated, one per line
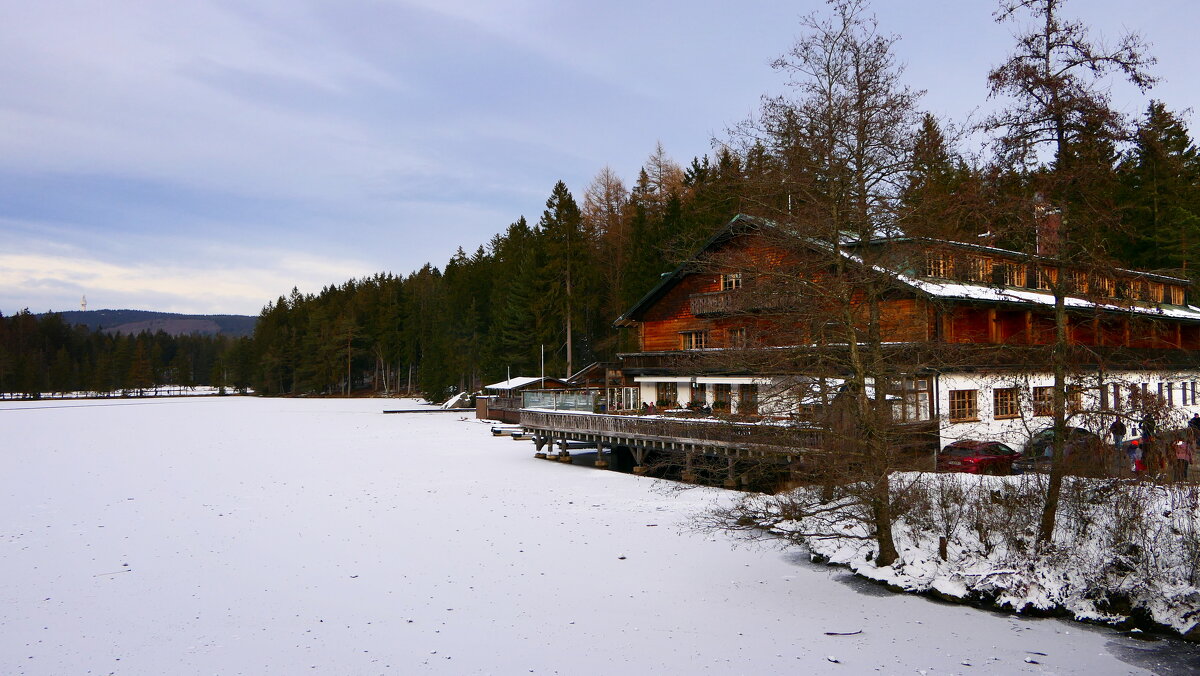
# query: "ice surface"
[272,536]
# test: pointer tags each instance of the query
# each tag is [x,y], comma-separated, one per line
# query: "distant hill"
[139,321]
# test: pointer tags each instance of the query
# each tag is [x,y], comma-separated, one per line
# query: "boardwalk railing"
[681,432]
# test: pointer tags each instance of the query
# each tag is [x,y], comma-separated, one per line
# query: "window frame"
[939,264]
[1047,278]
[735,336]
[979,269]
[963,405]
[666,394]
[1014,274]
[1043,400]
[693,340]
[1007,399]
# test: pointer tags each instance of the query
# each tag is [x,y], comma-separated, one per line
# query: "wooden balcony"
[718,302]
[746,299]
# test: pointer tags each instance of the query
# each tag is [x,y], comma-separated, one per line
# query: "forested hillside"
[43,354]
[139,321]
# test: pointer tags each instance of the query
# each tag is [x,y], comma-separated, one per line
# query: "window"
[1177,297]
[1005,403]
[666,394]
[1104,397]
[1079,282]
[1043,401]
[693,340]
[1171,394]
[1156,292]
[731,281]
[1116,396]
[631,398]
[736,337]
[939,264]
[910,399]
[1047,278]
[964,405]
[699,396]
[721,397]
[979,269]
[1105,286]
[1013,274]
[1074,399]
[747,399]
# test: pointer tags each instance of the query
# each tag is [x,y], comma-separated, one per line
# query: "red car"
[977,457]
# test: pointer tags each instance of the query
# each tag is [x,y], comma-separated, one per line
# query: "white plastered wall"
[1016,431]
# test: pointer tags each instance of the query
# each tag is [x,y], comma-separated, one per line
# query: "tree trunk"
[1059,358]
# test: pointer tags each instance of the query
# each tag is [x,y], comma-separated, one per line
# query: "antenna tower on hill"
[83,303]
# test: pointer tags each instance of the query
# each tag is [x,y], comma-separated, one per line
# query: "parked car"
[976,457]
[1085,453]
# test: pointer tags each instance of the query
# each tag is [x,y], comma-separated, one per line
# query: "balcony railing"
[711,303]
[744,299]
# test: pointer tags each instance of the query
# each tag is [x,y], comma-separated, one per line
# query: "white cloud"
[59,280]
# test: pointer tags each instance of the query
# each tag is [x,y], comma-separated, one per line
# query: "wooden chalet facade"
[972,320]
[737,336]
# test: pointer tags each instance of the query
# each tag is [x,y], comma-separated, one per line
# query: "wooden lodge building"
[756,329]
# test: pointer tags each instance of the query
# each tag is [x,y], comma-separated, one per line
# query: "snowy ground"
[243,535]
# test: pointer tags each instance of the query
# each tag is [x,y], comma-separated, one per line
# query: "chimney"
[1048,223]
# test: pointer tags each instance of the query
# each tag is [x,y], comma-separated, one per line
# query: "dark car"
[1085,454]
[976,457]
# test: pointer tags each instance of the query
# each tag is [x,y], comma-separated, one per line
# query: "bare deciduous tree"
[1058,105]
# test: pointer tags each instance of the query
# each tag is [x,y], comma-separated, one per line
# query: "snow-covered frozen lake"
[269,536]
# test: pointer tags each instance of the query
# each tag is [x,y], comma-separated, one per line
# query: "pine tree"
[566,259]
[1160,195]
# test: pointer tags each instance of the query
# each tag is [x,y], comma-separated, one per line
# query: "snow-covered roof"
[513,383]
[982,292]
[940,288]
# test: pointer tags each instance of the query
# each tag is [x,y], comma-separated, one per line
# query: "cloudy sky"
[207,156]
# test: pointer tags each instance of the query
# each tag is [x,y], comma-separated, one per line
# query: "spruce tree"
[1160,195]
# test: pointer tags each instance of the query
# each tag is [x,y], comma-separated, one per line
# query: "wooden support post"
[600,461]
[688,474]
[730,477]
[639,458]
[993,332]
[539,441]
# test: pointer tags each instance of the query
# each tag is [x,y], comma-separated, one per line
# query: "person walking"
[1117,430]
[1183,457]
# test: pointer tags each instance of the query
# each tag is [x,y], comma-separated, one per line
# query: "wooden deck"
[731,439]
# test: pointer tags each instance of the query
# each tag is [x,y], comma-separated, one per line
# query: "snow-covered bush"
[1123,551]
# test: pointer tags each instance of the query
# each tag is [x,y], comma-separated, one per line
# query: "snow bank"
[1125,552]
